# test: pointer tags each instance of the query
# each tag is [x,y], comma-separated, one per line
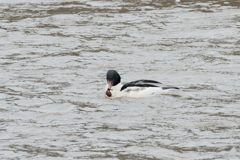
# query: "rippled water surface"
[54,56]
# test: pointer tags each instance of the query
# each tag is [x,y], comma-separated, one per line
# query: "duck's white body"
[138,92]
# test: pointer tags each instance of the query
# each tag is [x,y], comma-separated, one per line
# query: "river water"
[54,55]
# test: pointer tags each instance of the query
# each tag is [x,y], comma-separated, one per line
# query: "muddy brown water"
[54,56]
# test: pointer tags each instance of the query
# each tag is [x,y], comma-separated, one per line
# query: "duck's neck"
[115,90]
[117,87]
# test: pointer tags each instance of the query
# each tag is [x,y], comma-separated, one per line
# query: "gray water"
[53,59]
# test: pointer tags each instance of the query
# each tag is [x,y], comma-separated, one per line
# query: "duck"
[136,89]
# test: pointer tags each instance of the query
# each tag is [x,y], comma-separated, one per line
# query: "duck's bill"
[109,85]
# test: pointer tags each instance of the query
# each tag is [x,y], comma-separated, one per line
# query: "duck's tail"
[164,88]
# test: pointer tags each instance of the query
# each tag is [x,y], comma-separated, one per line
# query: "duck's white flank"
[138,92]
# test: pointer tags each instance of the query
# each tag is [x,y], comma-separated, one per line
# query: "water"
[53,59]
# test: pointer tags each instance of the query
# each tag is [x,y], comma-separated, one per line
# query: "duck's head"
[113,79]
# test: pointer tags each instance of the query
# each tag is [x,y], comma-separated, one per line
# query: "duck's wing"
[141,83]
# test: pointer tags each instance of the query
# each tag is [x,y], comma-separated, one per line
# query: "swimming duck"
[138,88]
